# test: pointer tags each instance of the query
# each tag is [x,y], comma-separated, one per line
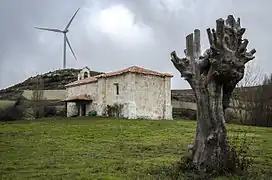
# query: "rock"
[55,80]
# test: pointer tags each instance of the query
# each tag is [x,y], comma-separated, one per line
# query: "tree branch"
[220,32]
[248,56]
[193,64]
[197,45]
[182,65]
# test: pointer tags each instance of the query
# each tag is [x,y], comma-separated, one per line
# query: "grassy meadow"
[106,148]
[5,103]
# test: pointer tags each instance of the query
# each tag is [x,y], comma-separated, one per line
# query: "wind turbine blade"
[66,28]
[48,29]
[66,38]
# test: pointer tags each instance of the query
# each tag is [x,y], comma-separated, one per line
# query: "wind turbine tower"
[65,31]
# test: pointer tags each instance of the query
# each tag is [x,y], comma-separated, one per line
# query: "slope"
[53,80]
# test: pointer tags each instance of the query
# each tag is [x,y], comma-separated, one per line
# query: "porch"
[81,102]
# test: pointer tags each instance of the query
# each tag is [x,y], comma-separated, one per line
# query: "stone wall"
[185,95]
[89,89]
[184,106]
[183,103]
[142,96]
[103,93]
[153,97]
[108,87]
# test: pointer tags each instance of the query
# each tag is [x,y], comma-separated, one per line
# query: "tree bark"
[213,78]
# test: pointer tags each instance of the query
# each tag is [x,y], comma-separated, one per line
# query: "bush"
[261,113]
[11,113]
[114,110]
[38,111]
[184,114]
[253,105]
[61,113]
[92,113]
[50,111]
[239,157]
[182,169]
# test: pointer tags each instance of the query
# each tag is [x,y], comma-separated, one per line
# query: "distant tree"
[243,96]
[38,92]
[267,80]
[37,97]
[261,113]
[12,112]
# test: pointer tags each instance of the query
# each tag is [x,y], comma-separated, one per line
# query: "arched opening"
[85,75]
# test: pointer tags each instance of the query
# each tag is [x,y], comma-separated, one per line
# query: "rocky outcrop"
[54,80]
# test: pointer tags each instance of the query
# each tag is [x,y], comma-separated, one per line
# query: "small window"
[117,88]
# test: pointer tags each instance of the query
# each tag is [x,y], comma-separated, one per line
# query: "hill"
[53,80]
[106,148]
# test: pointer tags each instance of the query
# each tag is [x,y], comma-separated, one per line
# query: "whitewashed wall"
[108,96]
[89,89]
[142,96]
[153,97]
[82,72]
[72,109]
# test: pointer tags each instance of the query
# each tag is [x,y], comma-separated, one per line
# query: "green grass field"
[97,148]
[5,103]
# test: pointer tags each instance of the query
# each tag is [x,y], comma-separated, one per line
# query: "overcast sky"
[109,35]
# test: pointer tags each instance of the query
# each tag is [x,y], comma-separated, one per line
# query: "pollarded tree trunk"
[213,78]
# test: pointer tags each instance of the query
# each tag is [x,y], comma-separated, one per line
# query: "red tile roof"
[132,69]
[83,81]
[136,69]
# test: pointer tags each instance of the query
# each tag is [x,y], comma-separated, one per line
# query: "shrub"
[253,105]
[239,155]
[50,111]
[114,110]
[61,113]
[38,111]
[92,113]
[11,113]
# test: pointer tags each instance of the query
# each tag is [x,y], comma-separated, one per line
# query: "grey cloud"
[24,51]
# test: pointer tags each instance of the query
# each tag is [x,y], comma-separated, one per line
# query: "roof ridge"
[83,81]
[132,69]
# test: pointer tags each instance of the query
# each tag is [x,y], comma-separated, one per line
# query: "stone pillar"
[71,109]
[89,74]
[80,109]
[100,96]
[132,114]
[167,100]
[131,107]
[66,108]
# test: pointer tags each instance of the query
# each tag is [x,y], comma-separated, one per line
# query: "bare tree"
[261,111]
[213,78]
[251,102]
[37,97]
[244,94]
[267,80]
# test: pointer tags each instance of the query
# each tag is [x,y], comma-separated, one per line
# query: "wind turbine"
[65,31]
